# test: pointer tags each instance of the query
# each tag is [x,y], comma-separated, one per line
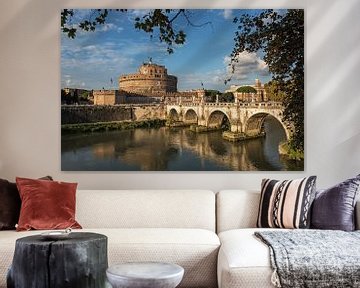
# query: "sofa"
[210,235]
[243,260]
[175,226]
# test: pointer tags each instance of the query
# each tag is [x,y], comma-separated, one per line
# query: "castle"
[151,78]
[151,84]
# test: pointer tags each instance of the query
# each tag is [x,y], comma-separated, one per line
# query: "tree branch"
[177,14]
[196,25]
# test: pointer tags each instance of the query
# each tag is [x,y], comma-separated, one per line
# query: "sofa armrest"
[357,215]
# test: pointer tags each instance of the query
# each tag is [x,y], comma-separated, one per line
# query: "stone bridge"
[244,118]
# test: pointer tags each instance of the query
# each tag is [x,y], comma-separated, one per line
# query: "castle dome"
[151,78]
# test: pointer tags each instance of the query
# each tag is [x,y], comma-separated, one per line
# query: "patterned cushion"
[286,204]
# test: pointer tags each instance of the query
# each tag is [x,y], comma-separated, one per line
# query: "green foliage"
[75,97]
[290,152]
[246,89]
[69,98]
[227,97]
[223,97]
[273,91]
[281,38]
[211,95]
[212,92]
[84,96]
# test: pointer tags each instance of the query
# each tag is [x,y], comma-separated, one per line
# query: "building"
[260,95]
[107,97]
[151,78]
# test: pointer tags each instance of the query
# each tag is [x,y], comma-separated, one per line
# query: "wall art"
[182,90]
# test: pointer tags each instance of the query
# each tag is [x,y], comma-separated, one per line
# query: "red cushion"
[46,204]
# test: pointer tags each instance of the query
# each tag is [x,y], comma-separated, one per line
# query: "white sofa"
[243,261]
[175,226]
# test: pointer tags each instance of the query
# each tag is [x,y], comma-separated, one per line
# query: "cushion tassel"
[275,280]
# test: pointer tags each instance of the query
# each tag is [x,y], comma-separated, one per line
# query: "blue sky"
[93,58]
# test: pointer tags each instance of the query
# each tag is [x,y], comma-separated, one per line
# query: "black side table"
[78,261]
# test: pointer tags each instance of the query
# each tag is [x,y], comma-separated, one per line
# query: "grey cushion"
[334,208]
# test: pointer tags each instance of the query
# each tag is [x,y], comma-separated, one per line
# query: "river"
[175,149]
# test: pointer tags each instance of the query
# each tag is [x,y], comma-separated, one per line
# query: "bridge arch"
[217,119]
[254,124]
[173,114]
[190,116]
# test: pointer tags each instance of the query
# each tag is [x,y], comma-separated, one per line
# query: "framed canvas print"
[182,90]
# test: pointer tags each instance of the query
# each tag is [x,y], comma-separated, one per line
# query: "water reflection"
[178,149]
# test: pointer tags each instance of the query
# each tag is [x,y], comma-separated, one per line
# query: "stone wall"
[89,114]
[73,114]
[144,112]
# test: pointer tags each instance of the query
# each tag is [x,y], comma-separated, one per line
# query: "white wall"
[30,89]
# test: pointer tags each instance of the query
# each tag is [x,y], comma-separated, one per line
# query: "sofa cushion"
[10,204]
[286,204]
[236,209]
[334,208]
[153,209]
[46,204]
[244,261]
[194,249]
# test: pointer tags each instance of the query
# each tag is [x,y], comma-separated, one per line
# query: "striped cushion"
[286,204]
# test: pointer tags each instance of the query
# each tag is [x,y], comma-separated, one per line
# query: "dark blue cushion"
[334,208]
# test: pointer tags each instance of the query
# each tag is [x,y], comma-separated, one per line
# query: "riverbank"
[110,126]
[286,151]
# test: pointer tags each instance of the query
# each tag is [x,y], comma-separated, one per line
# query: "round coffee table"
[145,275]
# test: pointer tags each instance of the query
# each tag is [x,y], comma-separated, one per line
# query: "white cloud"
[104,54]
[228,14]
[80,33]
[72,83]
[139,12]
[109,27]
[247,63]
[248,67]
